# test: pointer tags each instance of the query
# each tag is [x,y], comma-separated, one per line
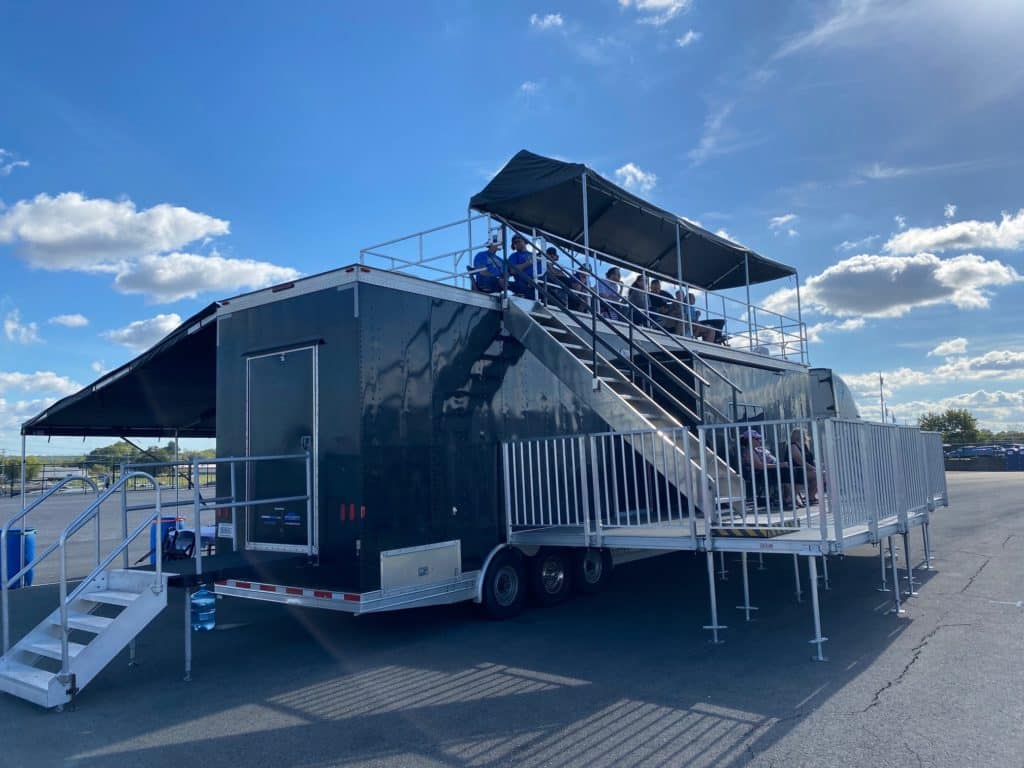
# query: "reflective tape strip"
[320,594]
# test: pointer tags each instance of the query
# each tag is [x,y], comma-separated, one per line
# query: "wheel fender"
[478,592]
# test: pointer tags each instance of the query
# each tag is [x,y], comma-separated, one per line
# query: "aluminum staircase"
[623,405]
[106,613]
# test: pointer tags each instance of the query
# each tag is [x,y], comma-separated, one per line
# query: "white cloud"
[833,326]
[949,211]
[529,86]
[688,39]
[996,410]
[781,223]
[140,248]
[956,346]
[71,231]
[69,321]
[996,364]
[871,285]
[723,233]
[848,18]
[865,385]
[657,12]
[792,232]
[8,163]
[633,178]
[142,334]
[853,245]
[14,330]
[185,275]
[98,366]
[547,21]
[901,221]
[717,138]
[1006,234]
[40,382]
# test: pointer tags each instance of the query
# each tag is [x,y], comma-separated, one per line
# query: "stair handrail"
[76,525]
[5,583]
[736,390]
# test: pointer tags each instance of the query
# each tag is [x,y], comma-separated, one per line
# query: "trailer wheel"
[504,587]
[551,575]
[593,569]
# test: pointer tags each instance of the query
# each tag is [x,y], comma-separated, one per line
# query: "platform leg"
[722,573]
[760,562]
[714,626]
[824,571]
[911,592]
[131,654]
[897,608]
[881,559]
[796,575]
[746,607]
[188,639]
[927,547]
[812,574]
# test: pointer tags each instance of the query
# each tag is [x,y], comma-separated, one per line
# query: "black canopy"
[170,389]
[534,191]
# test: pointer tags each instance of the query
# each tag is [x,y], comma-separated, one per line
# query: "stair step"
[86,622]
[26,674]
[110,597]
[51,649]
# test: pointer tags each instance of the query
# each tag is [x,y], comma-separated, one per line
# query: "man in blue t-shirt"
[488,269]
[521,267]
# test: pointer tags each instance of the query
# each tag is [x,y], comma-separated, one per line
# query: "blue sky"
[153,159]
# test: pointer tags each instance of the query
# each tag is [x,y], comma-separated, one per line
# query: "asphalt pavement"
[624,678]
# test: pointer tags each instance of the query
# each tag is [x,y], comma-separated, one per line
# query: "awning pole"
[23,505]
[746,273]
[804,352]
[593,271]
[684,315]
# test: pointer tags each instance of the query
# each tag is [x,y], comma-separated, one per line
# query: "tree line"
[100,461]
[958,426]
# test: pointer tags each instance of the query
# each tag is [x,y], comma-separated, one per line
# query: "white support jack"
[812,573]
[824,573]
[746,607]
[911,592]
[760,562]
[925,540]
[796,575]
[723,574]
[881,559]
[714,626]
[897,608]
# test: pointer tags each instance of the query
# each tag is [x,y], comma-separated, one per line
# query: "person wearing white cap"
[760,461]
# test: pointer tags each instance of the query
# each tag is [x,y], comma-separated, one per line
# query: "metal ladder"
[106,611]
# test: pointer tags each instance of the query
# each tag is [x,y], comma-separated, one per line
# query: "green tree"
[957,425]
[12,468]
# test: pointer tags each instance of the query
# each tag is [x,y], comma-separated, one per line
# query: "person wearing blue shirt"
[521,268]
[488,269]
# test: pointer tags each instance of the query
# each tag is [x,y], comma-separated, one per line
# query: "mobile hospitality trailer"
[390,437]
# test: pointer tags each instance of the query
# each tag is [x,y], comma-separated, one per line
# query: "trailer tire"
[593,569]
[551,575]
[504,588]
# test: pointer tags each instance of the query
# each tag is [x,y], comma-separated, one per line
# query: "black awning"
[170,389]
[534,191]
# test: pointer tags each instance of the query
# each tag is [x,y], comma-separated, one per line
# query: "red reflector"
[364,269]
[267,588]
[293,590]
[321,593]
[352,598]
[342,514]
[221,583]
[362,513]
[243,585]
[350,269]
[282,287]
[351,511]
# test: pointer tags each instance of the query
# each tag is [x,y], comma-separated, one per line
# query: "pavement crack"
[915,655]
[907,747]
[976,574]
[1007,540]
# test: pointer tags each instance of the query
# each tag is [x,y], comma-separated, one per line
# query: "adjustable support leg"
[714,626]
[188,639]
[760,562]
[925,539]
[881,559]
[131,654]
[796,575]
[911,592]
[747,607]
[722,573]
[897,608]
[812,574]
[824,570]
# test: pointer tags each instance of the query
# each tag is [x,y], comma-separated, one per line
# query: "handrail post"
[3,585]
[234,501]
[309,503]
[593,271]
[64,659]
[124,508]
[196,498]
[158,584]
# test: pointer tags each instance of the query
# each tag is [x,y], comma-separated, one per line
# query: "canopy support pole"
[804,352]
[593,270]
[746,279]
[683,295]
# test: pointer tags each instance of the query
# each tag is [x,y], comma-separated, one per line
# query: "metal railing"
[828,479]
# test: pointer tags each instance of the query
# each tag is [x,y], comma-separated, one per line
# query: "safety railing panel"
[546,483]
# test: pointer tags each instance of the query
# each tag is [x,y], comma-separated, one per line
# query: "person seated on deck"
[690,316]
[521,265]
[638,300]
[801,455]
[579,296]
[758,464]
[557,281]
[661,306]
[488,269]
[612,306]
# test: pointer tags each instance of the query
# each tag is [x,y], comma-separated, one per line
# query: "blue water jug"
[203,605]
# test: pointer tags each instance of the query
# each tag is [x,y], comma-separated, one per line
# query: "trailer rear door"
[281,419]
